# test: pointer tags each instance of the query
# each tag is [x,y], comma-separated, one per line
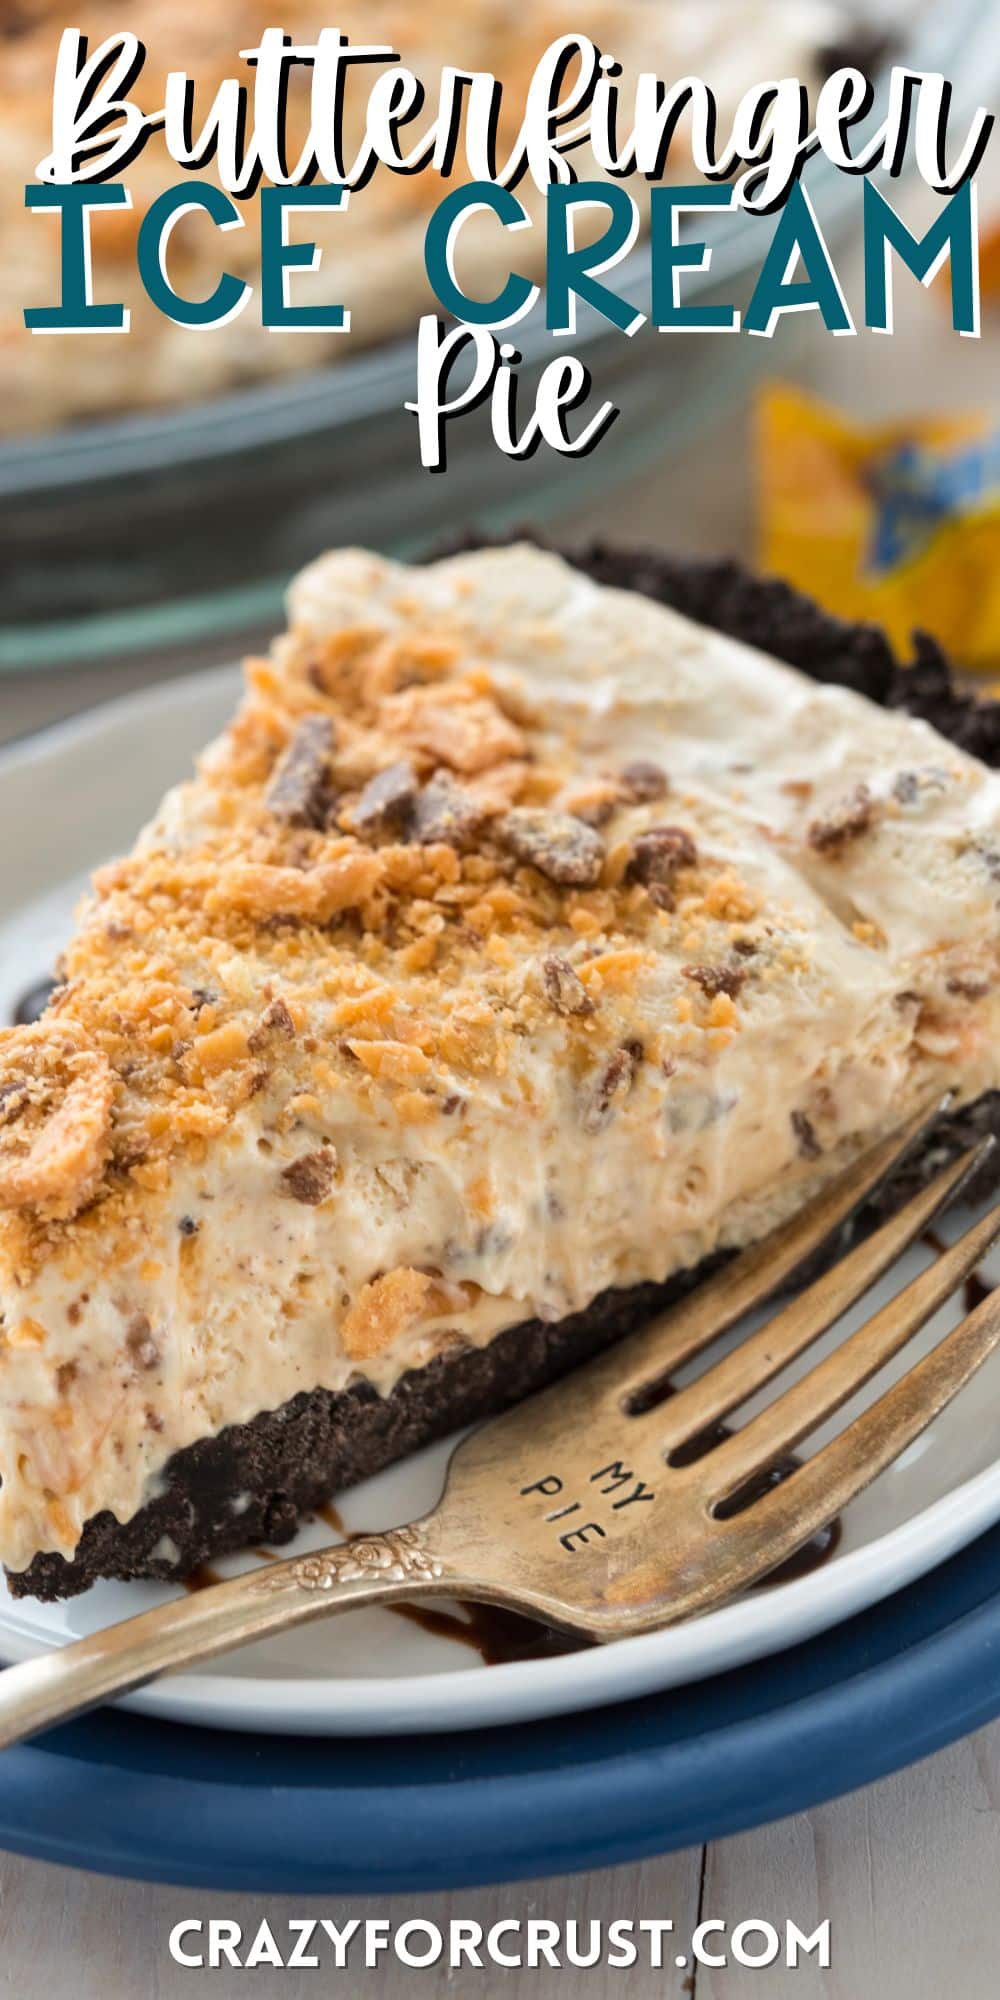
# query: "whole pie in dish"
[523,943]
[372,252]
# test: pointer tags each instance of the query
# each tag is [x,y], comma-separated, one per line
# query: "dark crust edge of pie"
[253,1483]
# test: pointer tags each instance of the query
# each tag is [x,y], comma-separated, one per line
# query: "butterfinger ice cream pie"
[521,944]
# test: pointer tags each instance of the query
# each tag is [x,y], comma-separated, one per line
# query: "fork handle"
[373,1569]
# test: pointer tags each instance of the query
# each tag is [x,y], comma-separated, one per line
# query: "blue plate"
[127,1796]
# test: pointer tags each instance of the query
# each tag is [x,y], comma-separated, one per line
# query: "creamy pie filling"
[519,939]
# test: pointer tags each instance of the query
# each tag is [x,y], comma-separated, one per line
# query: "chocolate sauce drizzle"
[503,1638]
[202,1578]
[33,1003]
[976,1287]
[499,1637]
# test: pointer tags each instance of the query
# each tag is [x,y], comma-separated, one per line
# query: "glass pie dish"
[174,527]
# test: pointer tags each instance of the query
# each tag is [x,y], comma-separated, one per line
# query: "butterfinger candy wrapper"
[898,523]
[989,265]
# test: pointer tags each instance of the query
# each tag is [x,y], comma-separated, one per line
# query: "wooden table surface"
[907,1870]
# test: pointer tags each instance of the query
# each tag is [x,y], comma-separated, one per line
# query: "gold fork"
[611,1503]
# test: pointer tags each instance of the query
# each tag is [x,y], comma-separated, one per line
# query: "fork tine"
[758,1359]
[806,1405]
[756,1274]
[815,1493]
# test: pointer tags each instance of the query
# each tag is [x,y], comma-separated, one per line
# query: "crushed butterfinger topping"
[386,800]
[613,1084]
[447,811]
[642,779]
[658,857]
[310,1177]
[558,844]
[55,1128]
[844,822]
[299,791]
[715,979]
[375,888]
[564,988]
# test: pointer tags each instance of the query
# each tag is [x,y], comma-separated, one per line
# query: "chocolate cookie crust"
[254,1482]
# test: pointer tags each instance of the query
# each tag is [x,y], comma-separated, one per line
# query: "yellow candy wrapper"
[896,522]
[989,267]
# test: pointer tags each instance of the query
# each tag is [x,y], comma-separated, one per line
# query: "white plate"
[69,798]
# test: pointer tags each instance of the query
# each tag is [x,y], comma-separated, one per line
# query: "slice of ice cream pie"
[521,944]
